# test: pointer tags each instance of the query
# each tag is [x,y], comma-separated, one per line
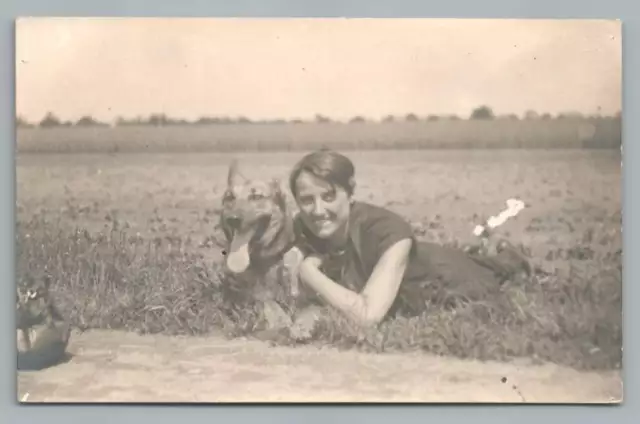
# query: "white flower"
[514,207]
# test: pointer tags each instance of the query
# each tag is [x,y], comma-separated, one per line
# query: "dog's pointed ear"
[278,194]
[233,175]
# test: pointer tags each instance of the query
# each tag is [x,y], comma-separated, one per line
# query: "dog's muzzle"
[242,236]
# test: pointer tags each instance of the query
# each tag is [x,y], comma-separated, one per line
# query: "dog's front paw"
[305,323]
[274,316]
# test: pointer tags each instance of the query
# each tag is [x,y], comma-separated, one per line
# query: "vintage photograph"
[235,210]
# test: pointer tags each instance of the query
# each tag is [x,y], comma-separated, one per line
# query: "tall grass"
[445,134]
[115,279]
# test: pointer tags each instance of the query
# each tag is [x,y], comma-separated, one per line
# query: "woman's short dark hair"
[327,165]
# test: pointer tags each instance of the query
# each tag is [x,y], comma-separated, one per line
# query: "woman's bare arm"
[371,305]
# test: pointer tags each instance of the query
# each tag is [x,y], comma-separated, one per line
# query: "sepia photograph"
[318,210]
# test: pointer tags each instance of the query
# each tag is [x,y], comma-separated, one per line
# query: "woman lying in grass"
[363,259]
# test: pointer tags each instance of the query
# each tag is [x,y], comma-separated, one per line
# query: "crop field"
[603,132]
[132,242]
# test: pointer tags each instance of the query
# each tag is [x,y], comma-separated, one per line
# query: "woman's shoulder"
[378,224]
[369,214]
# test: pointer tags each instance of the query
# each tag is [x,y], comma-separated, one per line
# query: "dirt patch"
[112,366]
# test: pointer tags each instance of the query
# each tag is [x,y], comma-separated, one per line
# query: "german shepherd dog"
[43,333]
[260,258]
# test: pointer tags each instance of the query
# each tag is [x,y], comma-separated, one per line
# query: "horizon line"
[315,118]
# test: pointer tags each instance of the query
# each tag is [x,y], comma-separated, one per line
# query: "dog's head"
[253,213]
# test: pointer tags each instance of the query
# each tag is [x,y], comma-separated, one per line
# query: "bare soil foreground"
[113,366]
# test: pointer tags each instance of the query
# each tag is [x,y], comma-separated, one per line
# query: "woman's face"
[324,208]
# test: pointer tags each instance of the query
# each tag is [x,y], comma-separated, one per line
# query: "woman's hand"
[314,260]
[309,265]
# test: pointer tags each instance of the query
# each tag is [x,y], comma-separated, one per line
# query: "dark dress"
[435,274]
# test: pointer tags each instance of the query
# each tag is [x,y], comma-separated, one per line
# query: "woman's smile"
[321,222]
[324,224]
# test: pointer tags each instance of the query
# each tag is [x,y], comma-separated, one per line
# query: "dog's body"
[43,333]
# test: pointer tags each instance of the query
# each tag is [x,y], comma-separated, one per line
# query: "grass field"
[131,242]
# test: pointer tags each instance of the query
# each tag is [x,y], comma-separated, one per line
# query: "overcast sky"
[267,68]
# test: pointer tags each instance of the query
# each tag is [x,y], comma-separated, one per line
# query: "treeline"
[50,120]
